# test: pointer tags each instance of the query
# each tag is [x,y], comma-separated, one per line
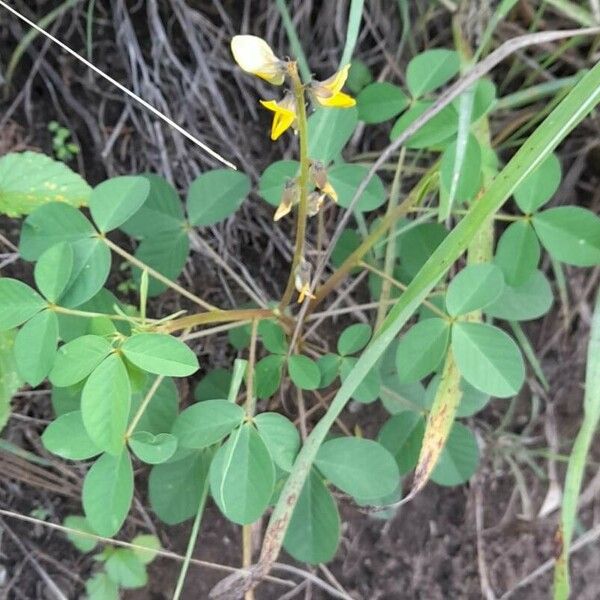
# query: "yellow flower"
[290,196]
[284,114]
[329,92]
[256,57]
[315,201]
[302,280]
[318,175]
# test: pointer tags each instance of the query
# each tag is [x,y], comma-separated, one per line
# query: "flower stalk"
[303,181]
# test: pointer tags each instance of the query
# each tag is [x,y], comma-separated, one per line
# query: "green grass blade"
[542,142]
[577,460]
[352,31]
[574,11]
[529,353]
[295,44]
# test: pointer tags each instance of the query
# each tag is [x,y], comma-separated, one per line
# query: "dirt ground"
[475,541]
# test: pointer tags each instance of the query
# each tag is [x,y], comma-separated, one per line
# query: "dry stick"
[478,71]
[250,408]
[164,553]
[199,244]
[159,276]
[120,86]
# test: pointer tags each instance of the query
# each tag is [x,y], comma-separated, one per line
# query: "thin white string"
[120,86]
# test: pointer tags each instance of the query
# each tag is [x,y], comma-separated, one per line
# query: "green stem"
[140,411]
[93,315]
[191,542]
[298,89]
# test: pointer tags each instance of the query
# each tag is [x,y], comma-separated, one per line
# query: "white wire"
[121,87]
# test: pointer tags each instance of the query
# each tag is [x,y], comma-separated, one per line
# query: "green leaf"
[65,400]
[432,134]
[267,375]
[281,438]
[105,403]
[314,529]
[539,186]
[151,542]
[10,381]
[242,476]
[571,234]
[459,458]
[116,200]
[402,436]
[349,241]
[101,587]
[379,102]
[354,338]
[329,365]
[83,543]
[475,287]
[368,390]
[518,253]
[360,467]
[274,177]
[430,70]
[53,271]
[469,179]
[160,354]
[215,195]
[19,303]
[488,358]
[66,437]
[175,488]
[107,493]
[91,266]
[161,412]
[484,99]
[359,76]
[346,178]
[530,300]
[35,347]
[161,212]
[77,359]
[304,372]
[328,131]
[165,252]
[421,349]
[153,449]
[273,337]
[206,423]
[52,224]
[417,244]
[31,179]
[215,384]
[125,568]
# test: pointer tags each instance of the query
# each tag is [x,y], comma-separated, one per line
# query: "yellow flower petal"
[283,117]
[339,100]
[283,209]
[336,82]
[256,57]
[330,191]
[305,293]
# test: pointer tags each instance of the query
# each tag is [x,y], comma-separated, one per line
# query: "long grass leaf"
[577,460]
[352,31]
[295,44]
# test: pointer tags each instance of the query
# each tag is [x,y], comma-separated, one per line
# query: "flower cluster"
[256,57]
